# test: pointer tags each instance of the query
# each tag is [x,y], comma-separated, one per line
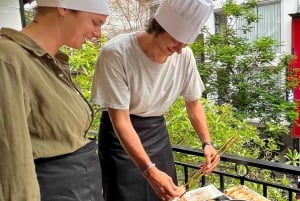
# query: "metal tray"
[209,192]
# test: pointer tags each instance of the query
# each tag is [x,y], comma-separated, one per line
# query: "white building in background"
[275,20]
[10,14]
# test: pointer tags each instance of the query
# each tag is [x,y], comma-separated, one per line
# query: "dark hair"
[153,27]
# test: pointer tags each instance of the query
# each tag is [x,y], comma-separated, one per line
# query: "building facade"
[11,12]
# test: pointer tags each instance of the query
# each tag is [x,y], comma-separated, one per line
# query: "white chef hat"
[183,19]
[93,6]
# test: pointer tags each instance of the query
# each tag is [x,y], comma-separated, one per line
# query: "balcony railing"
[277,171]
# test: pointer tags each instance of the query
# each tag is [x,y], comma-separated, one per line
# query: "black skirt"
[71,177]
[122,181]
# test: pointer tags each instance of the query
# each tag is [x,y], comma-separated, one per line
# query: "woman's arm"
[18,179]
[198,120]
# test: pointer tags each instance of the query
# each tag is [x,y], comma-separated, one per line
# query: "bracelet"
[206,143]
[147,167]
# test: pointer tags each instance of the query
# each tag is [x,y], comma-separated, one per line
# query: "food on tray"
[243,192]
[201,194]
[196,196]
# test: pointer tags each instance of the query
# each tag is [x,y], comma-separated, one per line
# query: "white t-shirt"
[125,78]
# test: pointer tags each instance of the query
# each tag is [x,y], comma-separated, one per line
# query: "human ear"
[62,11]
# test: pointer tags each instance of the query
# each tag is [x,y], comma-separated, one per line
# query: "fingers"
[212,160]
[213,163]
[210,154]
[164,196]
[163,185]
[169,190]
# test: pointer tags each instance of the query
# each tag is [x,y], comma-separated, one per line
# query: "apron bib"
[122,181]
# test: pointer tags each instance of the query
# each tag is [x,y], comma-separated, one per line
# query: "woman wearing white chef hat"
[44,150]
[138,76]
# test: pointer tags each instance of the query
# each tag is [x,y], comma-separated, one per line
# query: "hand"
[162,184]
[212,159]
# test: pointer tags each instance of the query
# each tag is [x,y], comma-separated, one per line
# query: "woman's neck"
[151,47]
[43,35]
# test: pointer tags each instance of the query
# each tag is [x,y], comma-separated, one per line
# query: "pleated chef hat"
[93,6]
[183,19]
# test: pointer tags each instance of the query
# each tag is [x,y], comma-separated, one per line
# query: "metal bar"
[280,167]
[22,13]
[265,190]
[292,171]
[222,181]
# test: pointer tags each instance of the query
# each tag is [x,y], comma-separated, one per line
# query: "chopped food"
[243,192]
[201,194]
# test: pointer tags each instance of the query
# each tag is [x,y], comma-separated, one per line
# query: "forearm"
[198,120]
[17,172]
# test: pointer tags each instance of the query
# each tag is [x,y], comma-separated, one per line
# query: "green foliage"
[29,14]
[224,122]
[292,157]
[248,79]
[82,65]
[249,75]
[245,11]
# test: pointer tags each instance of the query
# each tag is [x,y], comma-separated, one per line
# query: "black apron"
[71,177]
[122,181]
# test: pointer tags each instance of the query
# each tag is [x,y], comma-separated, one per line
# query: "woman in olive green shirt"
[45,154]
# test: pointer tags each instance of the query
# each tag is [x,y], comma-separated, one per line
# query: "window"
[268,25]
[220,22]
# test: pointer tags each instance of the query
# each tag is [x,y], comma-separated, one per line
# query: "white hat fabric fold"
[183,19]
[93,6]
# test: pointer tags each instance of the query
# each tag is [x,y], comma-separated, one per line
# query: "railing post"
[281,168]
[297,145]
[222,181]
[298,195]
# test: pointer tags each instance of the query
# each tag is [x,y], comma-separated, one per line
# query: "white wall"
[287,7]
[10,14]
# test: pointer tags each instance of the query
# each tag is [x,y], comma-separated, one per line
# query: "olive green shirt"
[42,114]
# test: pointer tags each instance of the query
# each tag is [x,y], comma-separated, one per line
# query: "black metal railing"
[277,170]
